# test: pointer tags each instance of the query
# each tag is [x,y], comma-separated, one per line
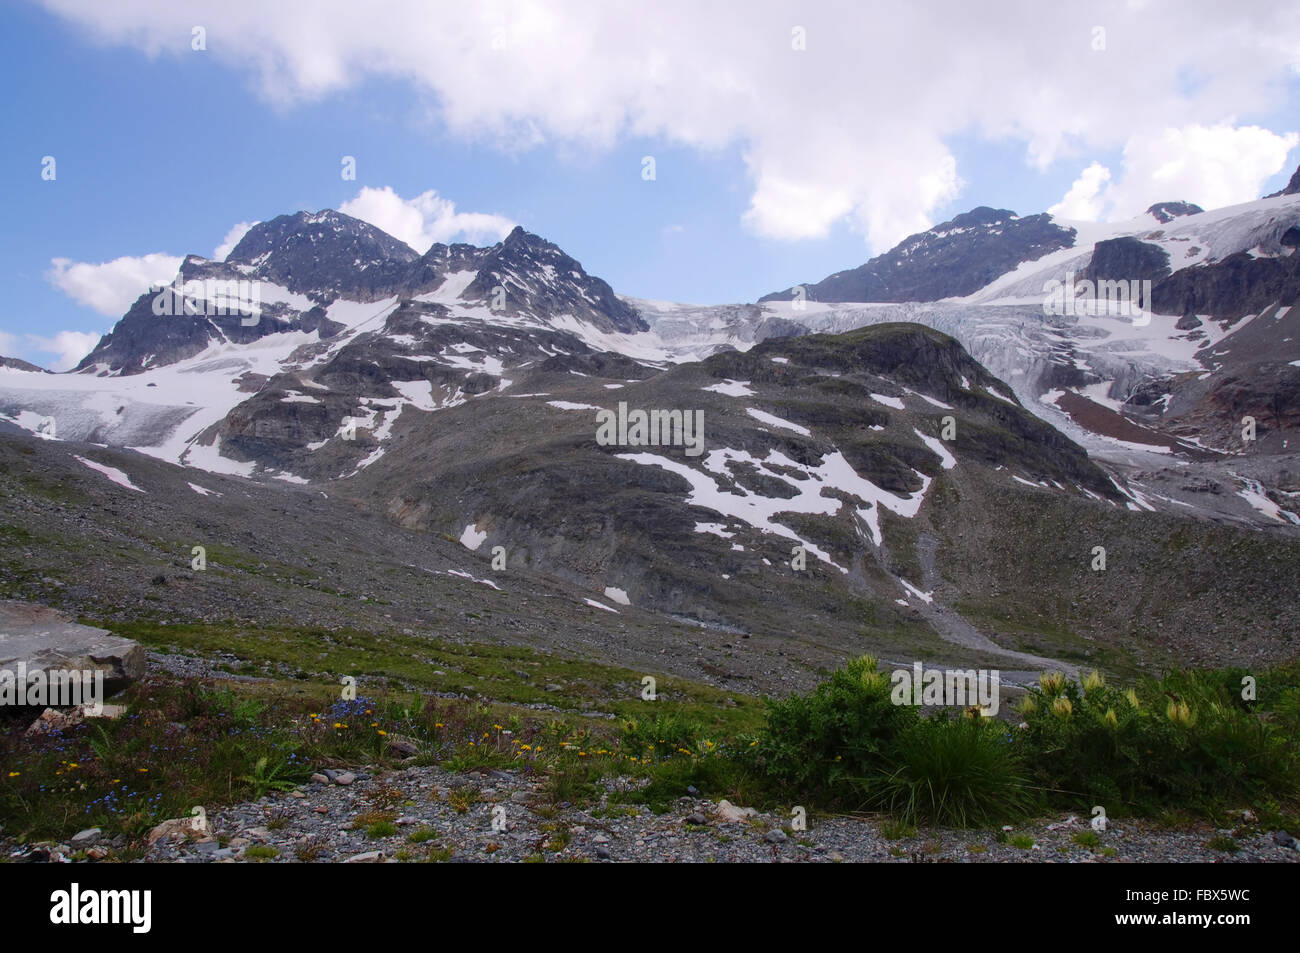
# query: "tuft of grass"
[261,852]
[1223,844]
[1088,839]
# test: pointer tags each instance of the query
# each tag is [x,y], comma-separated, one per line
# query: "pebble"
[323,829]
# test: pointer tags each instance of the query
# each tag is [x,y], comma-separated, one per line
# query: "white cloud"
[111,287]
[1085,200]
[68,347]
[8,344]
[1212,166]
[853,128]
[425,219]
[231,240]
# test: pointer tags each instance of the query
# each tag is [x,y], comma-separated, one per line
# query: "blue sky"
[163,152]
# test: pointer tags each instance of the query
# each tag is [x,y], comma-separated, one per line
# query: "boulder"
[44,639]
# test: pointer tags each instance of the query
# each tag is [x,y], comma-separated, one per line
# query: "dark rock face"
[1236,286]
[326,253]
[1292,187]
[538,278]
[953,259]
[1127,259]
[21,365]
[1165,212]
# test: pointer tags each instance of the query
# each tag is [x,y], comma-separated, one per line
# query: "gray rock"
[41,638]
[775,837]
[603,853]
[369,857]
[696,818]
[345,778]
[1283,839]
[86,838]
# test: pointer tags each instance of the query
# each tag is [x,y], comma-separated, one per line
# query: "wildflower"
[381,732]
[1181,714]
[1027,705]
[752,743]
[1110,718]
[438,724]
[1062,708]
[143,770]
[14,774]
[1132,697]
[1093,681]
[1051,682]
[525,747]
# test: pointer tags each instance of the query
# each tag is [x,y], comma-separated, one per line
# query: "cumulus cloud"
[852,127]
[231,240]
[425,219]
[1086,198]
[111,287]
[68,348]
[1212,166]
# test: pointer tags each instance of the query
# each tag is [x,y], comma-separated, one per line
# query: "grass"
[1088,839]
[1223,844]
[845,746]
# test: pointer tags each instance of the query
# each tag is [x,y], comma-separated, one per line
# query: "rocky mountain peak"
[1165,212]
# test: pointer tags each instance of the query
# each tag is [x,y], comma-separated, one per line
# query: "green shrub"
[962,773]
[824,743]
[1185,740]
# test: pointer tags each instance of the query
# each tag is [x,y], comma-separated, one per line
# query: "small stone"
[697,819]
[601,839]
[98,853]
[775,837]
[52,719]
[258,834]
[345,778]
[1283,839]
[603,853]
[239,842]
[835,857]
[406,820]
[321,809]
[692,791]
[320,779]
[297,795]
[728,813]
[86,838]
[369,857]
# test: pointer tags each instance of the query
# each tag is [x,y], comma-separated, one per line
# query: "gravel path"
[505,816]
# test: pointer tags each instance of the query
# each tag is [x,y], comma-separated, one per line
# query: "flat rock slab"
[46,639]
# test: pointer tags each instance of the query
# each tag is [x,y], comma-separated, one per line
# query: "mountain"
[290,274]
[907,476]
[950,260]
